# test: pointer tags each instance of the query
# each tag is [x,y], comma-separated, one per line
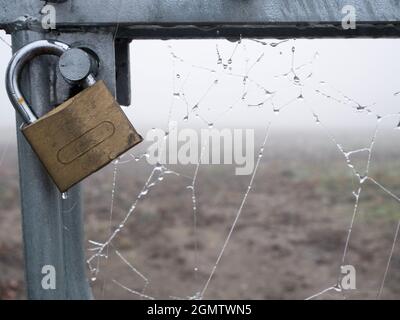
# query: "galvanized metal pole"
[52,226]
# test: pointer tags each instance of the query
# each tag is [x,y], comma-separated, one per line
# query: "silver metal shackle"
[14,70]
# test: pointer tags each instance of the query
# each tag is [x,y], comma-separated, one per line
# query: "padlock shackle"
[16,65]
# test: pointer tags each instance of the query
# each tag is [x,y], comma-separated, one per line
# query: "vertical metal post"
[52,226]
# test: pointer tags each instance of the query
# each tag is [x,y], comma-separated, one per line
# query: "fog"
[363,69]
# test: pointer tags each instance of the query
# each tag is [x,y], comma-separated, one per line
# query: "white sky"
[365,70]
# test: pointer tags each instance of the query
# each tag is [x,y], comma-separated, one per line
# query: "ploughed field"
[288,242]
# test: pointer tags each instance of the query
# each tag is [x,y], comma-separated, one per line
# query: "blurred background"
[325,102]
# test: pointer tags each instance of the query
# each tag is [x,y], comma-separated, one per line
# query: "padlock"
[80,136]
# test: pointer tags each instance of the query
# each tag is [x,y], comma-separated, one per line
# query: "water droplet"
[178,75]
[337,288]
[93,278]
[260,105]
[195,108]
[160,178]
[196,269]
[210,125]
[293,49]
[215,81]
[300,97]
[261,42]
[296,78]
[225,66]
[186,118]
[230,61]
[177,94]
[64,195]
[158,167]
[219,61]
[316,119]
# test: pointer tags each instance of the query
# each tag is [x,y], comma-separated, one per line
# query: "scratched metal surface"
[52,226]
[188,18]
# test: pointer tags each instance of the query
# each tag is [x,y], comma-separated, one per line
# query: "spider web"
[267,80]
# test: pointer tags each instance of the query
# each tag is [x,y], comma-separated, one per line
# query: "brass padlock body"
[81,136]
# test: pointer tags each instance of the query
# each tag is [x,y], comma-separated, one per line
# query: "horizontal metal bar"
[95,12]
[211,18]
